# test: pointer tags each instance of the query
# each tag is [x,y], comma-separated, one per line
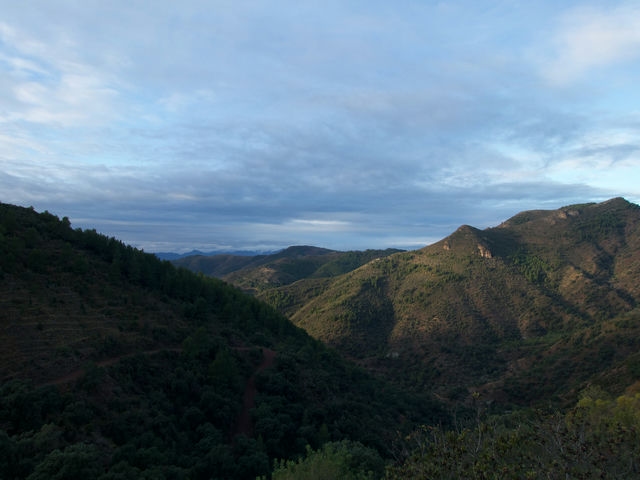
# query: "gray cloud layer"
[341,124]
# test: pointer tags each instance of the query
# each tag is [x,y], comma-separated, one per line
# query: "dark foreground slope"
[527,312]
[114,364]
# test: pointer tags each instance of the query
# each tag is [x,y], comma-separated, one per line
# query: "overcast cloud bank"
[346,125]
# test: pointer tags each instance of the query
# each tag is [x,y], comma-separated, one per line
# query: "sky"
[255,125]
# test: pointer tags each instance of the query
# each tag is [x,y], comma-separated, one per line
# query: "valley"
[514,349]
[528,311]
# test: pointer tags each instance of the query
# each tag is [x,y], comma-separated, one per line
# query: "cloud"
[349,125]
[45,84]
[589,39]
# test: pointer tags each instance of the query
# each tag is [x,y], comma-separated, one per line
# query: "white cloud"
[47,83]
[588,39]
[309,225]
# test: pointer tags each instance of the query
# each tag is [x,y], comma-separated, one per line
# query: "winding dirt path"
[77,374]
[244,426]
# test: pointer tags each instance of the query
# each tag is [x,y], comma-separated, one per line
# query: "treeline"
[42,243]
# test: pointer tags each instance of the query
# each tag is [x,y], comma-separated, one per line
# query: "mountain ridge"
[242,253]
[257,273]
[480,305]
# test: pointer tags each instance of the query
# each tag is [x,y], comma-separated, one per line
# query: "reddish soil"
[244,426]
[77,374]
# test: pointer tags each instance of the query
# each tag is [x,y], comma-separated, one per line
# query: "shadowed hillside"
[254,274]
[114,364]
[526,312]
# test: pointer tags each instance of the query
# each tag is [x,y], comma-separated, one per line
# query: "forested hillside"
[114,364]
[527,313]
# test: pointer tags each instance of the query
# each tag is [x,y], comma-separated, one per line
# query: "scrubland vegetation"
[509,352]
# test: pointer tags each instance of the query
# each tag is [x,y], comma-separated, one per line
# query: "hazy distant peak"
[297,250]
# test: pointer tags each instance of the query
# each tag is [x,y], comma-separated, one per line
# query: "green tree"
[76,462]
[345,460]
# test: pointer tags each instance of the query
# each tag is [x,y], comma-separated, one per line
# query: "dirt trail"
[244,426]
[77,374]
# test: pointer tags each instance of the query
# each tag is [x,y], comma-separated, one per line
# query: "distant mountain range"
[260,272]
[192,253]
[533,309]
